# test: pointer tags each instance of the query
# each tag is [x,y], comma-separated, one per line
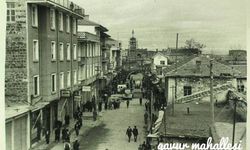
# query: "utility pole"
[175,91]
[211,91]
[235,100]
[173,99]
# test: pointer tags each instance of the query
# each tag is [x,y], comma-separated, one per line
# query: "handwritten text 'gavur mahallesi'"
[223,145]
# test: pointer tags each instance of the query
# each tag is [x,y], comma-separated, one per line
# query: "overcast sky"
[219,24]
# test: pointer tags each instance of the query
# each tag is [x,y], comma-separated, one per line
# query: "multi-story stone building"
[41,67]
[89,53]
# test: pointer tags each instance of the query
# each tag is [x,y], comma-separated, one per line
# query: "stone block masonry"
[16,56]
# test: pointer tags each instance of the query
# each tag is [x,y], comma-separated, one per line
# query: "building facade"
[41,67]
[159,62]
[89,59]
[193,77]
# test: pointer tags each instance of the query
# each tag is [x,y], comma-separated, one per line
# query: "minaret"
[132,41]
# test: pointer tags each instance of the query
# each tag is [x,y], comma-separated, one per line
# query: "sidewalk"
[88,123]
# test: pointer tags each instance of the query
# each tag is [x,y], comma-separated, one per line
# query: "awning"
[158,122]
[38,106]
[154,135]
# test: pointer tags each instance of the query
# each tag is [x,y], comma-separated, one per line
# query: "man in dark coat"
[140,101]
[67,136]
[66,118]
[135,133]
[145,117]
[129,133]
[80,122]
[127,103]
[76,145]
[77,128]
[47,136]
[146,106]
[57,134]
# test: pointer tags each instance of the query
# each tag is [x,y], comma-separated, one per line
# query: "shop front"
[65,106]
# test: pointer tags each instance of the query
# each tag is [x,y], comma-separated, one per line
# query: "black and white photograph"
[124,74]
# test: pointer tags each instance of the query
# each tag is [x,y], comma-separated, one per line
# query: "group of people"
[78,118]
[133,131]
[144,146]
[90,105]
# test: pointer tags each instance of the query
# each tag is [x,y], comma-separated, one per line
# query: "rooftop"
[202,69]
[88,22]
[197,123]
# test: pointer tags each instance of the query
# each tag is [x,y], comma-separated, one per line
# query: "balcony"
[82,60]
[62,4]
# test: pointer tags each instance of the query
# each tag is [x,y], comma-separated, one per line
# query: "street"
[111,134]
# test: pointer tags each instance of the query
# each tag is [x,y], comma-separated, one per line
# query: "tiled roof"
[191,69]
[195,124]
[179,63]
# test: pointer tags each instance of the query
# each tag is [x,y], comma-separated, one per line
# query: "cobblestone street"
[111,134]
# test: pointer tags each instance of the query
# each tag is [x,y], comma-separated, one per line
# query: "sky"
[219,24]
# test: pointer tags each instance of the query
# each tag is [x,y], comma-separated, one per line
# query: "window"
[11,12]
[68,79]
[79,53]
[36,91]
[53,82]
[68,23]
[61,51]
[162,62]
[62,80]
[187,90]
[53,50]
[34,15]
[60,21]
[75,77]
[74,52]
[74,25]
[52,18]
[241,87]
[68,51]
[35,50]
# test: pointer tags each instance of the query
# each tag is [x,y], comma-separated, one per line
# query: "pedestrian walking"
[80,122]
[127,103]
[135,133]
[94,115]
[57,134]
[129,133]
[144,145]
[140,101]
[64,130]
[67,136]
[145,117]
[146,105]
[67,146]
[76,145]
[77,127]
[66,118]
[47,136]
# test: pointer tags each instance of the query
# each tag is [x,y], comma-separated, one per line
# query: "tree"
[192,44]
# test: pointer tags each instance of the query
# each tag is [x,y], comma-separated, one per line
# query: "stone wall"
[197,84]
[16,56]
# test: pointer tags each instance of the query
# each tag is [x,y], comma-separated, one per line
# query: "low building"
[194,77]
[159,62]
